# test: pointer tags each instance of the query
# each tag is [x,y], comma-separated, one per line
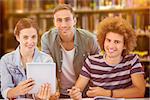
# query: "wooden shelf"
[86,19]
[113,10]
[83,11]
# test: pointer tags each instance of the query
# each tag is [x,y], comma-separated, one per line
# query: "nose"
[30,40]
[63,23]
[111,45]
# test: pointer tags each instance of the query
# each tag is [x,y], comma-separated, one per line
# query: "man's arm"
[137,89]
[82,82]
[75,92]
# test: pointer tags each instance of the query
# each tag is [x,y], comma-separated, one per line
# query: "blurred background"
[88,12]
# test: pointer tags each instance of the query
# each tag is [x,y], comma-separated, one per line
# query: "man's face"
[64,22]
[114,44]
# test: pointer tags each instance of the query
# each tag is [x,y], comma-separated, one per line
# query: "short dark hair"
[63,7]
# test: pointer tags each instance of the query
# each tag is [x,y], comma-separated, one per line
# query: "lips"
[111,50]
[30,46]
[64,28]
[64,31]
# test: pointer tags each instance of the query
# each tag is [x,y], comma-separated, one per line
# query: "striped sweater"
[111,77]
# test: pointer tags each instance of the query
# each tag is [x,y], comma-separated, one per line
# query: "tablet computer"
[42,73]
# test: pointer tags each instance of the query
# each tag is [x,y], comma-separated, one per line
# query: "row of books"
[37,5]
[89,22]
[86,21]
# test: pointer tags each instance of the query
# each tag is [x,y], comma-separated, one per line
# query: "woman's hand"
[21,89]
[75,93]
[44,92]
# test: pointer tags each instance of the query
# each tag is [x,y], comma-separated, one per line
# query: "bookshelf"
[87,16]
[88,12]
[1,28]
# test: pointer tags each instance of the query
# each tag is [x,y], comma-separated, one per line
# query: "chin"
[64,33]
[111,55]
[30,49]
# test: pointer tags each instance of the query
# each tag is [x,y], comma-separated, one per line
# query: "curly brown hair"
[120,26]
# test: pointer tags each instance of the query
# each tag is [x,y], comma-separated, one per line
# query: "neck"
[113,60]
[26,56]
[69,38]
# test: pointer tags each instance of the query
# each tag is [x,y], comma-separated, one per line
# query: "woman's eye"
[25,37]
[108,40]
[33,37]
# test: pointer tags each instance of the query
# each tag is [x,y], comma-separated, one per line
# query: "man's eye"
[67,19]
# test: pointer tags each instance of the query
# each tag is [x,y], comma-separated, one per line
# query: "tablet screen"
[42,73]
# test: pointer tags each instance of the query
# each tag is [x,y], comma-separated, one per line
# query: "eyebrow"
[114,40]
[63,18]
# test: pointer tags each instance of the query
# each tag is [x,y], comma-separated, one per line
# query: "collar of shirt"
[18,56]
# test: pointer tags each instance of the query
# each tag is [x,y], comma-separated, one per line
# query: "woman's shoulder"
[45,57]
[8,56]
[41,53]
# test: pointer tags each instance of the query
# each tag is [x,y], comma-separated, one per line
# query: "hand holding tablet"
[42,73]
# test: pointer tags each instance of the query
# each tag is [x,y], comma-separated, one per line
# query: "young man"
[116,73]
[68,46]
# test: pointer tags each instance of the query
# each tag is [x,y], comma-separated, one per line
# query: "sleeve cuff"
[4,93]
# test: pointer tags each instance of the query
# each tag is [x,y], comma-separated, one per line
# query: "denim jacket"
[85,43]
[12,72]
